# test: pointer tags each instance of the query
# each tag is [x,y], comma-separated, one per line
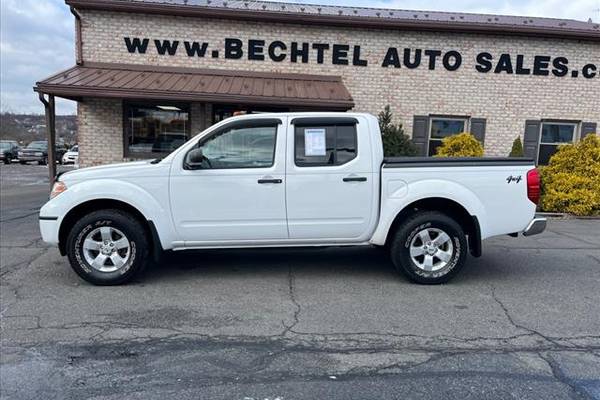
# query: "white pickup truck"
[291,179]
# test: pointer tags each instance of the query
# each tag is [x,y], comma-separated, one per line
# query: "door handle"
[269,181]
[355,179]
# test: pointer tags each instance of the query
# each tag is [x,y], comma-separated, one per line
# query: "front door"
[231,186]
[330,182]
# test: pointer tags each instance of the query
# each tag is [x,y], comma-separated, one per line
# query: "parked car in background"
[291,179]
[71,156]
[38,151]
[9,150]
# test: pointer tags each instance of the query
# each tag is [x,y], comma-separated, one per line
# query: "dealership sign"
[344,54]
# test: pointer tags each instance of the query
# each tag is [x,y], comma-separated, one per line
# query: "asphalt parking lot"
[520,322]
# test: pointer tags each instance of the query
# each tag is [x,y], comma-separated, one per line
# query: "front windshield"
[75,149]
[37,145]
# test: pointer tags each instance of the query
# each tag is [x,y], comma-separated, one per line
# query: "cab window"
[238,146]
[324,145]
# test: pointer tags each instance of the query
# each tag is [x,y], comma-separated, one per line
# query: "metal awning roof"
[189,84]
[355,17]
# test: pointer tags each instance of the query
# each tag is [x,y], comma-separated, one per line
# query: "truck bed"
[493,189]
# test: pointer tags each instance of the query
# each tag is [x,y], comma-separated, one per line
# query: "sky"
[37,37]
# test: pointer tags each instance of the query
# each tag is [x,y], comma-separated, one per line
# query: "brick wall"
[100,133]
[506,101]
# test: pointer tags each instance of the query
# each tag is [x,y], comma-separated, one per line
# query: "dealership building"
[150,74]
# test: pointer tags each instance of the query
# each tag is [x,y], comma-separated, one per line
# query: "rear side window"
[324,145]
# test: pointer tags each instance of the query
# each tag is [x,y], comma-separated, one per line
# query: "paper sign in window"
[314,142]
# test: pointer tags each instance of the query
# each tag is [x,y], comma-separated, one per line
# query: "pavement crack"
[10,268]
[560,376]
[292,296]
[400,366]
[20,216]
[516,324]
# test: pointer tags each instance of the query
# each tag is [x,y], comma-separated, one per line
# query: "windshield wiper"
[156,161]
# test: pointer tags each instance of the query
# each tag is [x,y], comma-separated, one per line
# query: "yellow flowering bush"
[461,145]
[571,180]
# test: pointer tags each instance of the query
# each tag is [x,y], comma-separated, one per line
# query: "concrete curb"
[566,216]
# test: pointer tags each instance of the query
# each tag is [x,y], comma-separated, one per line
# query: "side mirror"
[194,158]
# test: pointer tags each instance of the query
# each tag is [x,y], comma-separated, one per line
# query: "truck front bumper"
[49,229]
[537,225]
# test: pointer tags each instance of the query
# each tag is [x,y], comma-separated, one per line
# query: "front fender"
[398,194]
[152,208]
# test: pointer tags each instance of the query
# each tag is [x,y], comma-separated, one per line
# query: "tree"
[517,148]
[461,145]
[395,142]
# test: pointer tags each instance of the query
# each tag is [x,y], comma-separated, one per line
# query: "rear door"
[329,179]
[236,193]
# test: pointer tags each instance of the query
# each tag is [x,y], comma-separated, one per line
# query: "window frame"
[243,124]
[576,132]
[325,124]
[465,119]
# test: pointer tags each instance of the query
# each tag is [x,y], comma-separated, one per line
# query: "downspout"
[78,40]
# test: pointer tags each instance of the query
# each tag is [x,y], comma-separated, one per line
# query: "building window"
[324,145]
[442,127]
[155,130]
[554,134]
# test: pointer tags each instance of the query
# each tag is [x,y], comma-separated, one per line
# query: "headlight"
[57,189]
[39,154]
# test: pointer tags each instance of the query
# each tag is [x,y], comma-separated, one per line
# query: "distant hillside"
[25,128]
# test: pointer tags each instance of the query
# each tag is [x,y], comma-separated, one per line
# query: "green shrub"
[461,145]
[571,181]
[395,142]
[517,148]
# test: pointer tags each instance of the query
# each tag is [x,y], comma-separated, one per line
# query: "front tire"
[108,247]
[429,248]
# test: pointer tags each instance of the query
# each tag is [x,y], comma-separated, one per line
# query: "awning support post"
[50,109]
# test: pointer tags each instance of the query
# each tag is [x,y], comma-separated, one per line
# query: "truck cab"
[276,180]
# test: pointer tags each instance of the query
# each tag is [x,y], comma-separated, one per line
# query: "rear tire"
[43,161]
[429,248]
[108,247]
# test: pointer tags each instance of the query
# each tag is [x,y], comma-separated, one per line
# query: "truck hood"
[124,171]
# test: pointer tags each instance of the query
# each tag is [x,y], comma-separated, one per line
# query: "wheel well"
[452,209]
[100,204]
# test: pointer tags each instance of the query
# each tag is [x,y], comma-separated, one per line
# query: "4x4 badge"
[515,179]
